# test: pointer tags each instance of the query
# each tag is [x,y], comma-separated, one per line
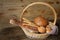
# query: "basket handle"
[55,15]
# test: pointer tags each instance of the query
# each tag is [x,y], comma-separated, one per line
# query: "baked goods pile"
[39,24]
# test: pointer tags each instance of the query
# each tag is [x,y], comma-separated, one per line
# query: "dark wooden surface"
[16,33]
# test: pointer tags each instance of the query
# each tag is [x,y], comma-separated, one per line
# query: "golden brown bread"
[31,26]
[42,29]
[48,29]
[28,22]
[40,21]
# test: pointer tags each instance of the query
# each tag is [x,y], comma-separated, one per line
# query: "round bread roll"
[42,29]
[40,21]
[48,29]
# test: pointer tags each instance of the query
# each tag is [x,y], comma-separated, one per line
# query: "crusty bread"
[40,21]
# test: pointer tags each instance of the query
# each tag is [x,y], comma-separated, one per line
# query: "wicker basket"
[34,35]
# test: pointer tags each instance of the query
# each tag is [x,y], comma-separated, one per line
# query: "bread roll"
[41,29]
[40,21]
[48,29]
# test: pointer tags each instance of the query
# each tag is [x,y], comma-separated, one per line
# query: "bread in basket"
[28,30]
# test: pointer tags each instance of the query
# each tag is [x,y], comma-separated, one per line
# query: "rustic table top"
[16,33]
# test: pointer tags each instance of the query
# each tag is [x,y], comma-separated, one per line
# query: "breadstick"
[29,22]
